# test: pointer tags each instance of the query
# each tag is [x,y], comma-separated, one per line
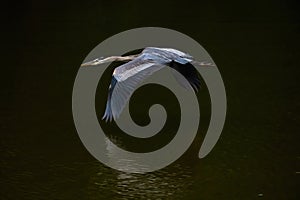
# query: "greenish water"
[256,48]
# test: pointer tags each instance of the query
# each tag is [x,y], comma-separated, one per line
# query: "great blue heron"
[126,77]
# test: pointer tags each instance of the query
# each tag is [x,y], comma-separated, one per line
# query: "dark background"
[256,47]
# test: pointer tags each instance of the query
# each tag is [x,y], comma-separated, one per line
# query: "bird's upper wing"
[125,80]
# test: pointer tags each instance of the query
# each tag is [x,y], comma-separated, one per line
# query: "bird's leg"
[203,63]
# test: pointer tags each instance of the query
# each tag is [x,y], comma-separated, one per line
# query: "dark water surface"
[256,47]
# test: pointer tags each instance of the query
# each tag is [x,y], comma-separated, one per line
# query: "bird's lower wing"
[126,82]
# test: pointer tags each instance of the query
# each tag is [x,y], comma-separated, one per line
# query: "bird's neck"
[124,58]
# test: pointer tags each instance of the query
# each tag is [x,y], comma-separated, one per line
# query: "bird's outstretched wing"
[128,76]
[189,72]
[125,80]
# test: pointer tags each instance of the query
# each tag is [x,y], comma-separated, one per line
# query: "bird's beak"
[97,61]
[93,62]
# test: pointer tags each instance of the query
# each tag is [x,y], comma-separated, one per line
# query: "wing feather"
[128,77]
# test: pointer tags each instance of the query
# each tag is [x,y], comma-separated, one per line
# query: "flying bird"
[127,77]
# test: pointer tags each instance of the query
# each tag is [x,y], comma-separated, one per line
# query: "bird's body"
[126,77]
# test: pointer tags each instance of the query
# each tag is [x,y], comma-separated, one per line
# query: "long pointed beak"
[88,63]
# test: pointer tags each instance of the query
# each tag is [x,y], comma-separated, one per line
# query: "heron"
[138,67]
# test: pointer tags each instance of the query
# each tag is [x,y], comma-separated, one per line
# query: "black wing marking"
[189,72]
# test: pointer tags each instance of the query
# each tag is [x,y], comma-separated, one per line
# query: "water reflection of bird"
[126,77]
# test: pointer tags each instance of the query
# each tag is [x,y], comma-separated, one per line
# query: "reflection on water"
[161,184]
[242,166]
[157,185]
